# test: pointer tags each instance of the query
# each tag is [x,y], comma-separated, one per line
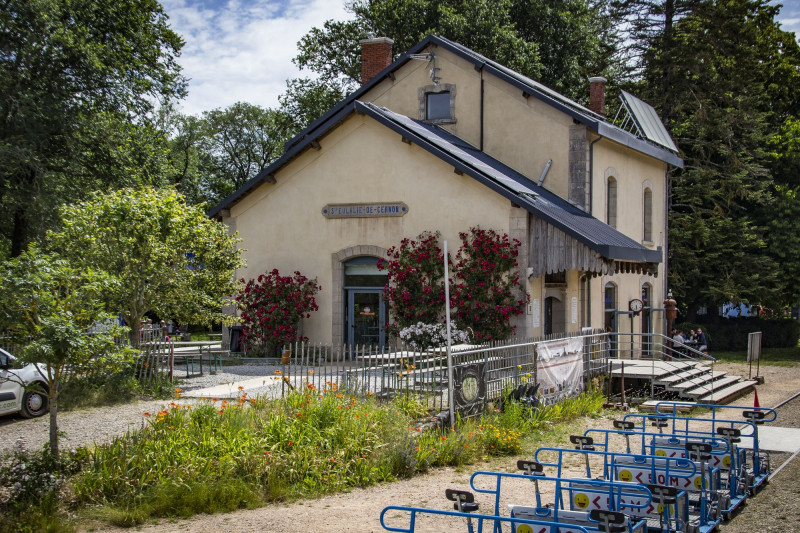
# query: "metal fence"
[480,373]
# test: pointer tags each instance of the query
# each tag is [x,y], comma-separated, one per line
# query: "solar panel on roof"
[647,121]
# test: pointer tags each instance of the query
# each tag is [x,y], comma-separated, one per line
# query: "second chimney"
[376,55]
[597,95]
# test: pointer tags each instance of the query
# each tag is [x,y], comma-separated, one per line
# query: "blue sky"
[242,50]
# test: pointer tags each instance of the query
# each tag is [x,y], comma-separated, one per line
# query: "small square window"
[437,105]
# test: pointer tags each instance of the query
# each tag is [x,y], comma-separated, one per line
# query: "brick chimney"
[376,55]
[597,95]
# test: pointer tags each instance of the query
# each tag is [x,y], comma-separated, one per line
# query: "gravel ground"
[101,424]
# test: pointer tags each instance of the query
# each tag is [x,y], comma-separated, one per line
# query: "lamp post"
[671,312]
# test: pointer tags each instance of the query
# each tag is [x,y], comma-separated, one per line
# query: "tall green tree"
[168,257]
[62,63]
[47,307]
[334,52]
[236,143]
[718,80]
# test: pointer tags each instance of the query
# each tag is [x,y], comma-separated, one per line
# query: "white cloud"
[243,50]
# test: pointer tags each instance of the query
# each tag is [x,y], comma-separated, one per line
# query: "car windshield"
[7,360]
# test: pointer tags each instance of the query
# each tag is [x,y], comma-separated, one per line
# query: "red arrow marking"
[596,502]
[650,509]
[686,483]
[639,477]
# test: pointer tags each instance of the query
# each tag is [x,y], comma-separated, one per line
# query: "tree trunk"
[53,399]
[19,234]
[133,335]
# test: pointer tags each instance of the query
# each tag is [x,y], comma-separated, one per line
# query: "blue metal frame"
[756,461]
[660,470]
[614,490]
[494,520]
[668,445]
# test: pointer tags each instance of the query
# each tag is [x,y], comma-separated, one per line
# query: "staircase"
[689,380]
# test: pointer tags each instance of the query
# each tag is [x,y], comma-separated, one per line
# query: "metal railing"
[663,352]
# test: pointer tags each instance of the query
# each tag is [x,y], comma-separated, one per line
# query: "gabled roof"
[509,183]
[597,123]
[319,127]
[492,173]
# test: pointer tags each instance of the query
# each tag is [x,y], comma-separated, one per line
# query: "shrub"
[422,336]
[730,334]
[272,308]
[486,283]
[415,285]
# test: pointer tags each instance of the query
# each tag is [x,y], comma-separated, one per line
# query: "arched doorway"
[365,310]
[554,318]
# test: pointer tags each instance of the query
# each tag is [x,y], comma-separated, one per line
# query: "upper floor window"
[437,103]
[611,202]
[647,210]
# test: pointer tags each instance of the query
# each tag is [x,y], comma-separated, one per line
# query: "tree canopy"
[70,73]
[168,257]
[47,308]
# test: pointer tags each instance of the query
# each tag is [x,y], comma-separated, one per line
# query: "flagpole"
[450,385]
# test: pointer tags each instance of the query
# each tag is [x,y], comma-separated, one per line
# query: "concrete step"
[681,407]
[682,376]
[646,369]
[729,393]
[718,384]
[698,381]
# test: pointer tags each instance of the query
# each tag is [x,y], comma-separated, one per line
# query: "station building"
[444,139]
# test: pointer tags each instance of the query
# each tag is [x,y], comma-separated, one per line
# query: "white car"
[22,388]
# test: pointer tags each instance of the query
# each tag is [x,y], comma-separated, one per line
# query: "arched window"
[611,202]
[647,210]
[610,307]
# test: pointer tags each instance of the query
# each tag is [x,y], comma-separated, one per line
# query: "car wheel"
[34,402]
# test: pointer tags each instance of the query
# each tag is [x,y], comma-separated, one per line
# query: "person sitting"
[702,342]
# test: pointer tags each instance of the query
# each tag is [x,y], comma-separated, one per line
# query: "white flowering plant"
[422,336]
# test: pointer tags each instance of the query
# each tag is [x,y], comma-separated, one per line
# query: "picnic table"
[196,352]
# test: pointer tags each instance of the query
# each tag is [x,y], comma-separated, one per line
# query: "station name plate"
[368,210]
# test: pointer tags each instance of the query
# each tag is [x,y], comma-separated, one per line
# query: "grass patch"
[221,456]
[769,356]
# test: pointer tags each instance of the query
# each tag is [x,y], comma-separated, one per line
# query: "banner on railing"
[559,366]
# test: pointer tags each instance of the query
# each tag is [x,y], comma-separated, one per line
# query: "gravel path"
[101,424]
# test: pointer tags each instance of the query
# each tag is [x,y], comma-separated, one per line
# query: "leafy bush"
[421,336]
[486,280]
[415,285]
[29,487]
[272,308]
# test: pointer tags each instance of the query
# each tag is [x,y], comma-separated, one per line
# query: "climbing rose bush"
[487,293]
[415,285]
[272,308]
[422,336]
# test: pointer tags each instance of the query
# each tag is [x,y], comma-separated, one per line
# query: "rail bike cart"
[574,502]
[749,463]
[723,455]
[696,509]
[465,508]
